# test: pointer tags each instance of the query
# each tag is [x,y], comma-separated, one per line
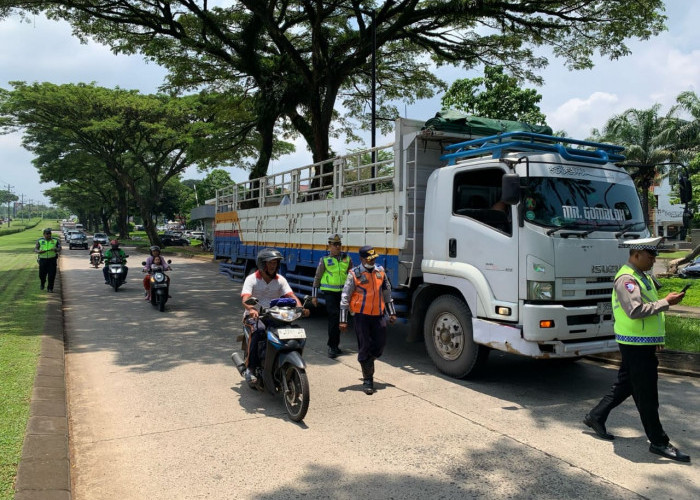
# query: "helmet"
[154,248]
[266,255]
[114,243]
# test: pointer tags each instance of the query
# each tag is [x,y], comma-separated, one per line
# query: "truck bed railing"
[354,174]
[591,152]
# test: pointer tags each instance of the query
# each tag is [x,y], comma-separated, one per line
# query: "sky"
[656,72]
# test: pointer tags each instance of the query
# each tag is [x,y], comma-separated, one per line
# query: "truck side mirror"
[510,189]
[685,189]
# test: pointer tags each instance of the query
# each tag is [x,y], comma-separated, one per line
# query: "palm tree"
[643,133]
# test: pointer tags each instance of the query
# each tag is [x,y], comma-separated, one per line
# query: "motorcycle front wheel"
[296,392]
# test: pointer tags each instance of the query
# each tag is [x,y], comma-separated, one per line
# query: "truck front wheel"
[449,339]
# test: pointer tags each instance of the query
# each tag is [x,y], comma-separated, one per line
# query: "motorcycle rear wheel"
[296,397]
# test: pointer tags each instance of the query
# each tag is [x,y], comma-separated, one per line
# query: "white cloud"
[578,116]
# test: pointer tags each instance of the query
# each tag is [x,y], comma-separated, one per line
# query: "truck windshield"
[582,204]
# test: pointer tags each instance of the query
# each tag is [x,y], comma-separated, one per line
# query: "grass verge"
[682,334]
[22,317]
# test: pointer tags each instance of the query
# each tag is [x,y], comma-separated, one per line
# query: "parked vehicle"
[692,270]
[77,240]
[160,286]
[115,272]
[101,238]
[95,258]
[168,240]
[493,238]
[283,368]
[197,235]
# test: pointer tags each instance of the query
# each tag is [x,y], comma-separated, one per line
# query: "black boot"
[367,376]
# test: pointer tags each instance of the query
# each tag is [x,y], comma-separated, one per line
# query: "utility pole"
[9,190]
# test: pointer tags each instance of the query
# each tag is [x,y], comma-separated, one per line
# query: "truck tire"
[449,339]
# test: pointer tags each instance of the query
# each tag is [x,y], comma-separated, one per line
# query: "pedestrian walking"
[640,331]
[367,295]
[331,273]
[48,248]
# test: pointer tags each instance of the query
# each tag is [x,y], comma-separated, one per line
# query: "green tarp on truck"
[458,122]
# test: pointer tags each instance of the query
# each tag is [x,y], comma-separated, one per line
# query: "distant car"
[77,239]
[169,240]
[101,238]
[692,270]
[67,234]
[197,235]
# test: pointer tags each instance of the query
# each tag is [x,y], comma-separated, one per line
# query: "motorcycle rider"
[96,247]
[154,252]
[114,252]
[265,285]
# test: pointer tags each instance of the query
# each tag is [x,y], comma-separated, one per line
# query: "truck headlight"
[540,290]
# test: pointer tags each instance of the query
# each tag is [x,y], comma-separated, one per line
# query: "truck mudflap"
[509,339]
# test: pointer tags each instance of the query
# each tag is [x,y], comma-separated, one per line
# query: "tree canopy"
[301,61]
[495,95]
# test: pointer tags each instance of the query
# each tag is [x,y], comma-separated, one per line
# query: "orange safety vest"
[367,297]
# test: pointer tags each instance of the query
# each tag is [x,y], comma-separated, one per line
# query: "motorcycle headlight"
[540,290]
[159,277]
[284,314]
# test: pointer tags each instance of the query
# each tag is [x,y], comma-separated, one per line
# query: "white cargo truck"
[506,242]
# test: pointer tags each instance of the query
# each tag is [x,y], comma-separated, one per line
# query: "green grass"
[692,295]
[682,334]
[22,318]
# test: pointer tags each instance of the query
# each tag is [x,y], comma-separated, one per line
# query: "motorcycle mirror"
[143,263]
[125,256]
[170,261]
[251,301]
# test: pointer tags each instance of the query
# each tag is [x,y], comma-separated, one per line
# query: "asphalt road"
[157,411]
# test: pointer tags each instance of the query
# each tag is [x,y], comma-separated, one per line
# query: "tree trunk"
[122,214]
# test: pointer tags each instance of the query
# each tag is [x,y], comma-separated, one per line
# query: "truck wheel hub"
[448,336]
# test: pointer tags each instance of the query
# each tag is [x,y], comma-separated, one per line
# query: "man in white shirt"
[265,285]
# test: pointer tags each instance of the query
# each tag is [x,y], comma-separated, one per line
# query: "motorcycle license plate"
[604,308]
[291,333]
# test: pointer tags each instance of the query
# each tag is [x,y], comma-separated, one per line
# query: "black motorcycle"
[160,286]
[115,272]
[283,368]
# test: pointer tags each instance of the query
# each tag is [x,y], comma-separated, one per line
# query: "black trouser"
[333,309]
[638,378]
[256,343]
[371,336]
[47,267]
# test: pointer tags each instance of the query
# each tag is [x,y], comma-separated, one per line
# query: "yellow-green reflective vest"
[335,274]
[650,330]
[49,245]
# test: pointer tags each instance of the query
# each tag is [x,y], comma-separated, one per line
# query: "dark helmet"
[266,255]
[154,248]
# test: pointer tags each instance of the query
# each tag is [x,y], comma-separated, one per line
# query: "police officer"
[48,247]
[367,294]
[331,273]
[640,331]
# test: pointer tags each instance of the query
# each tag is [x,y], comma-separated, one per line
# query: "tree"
[299,59]
[643,134]
[142,141]
[495,95]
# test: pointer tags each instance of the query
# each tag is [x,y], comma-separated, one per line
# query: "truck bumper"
[570,323]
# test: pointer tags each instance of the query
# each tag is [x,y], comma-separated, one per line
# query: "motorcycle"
[115,272]
[95,258]
[283,369]
[160,286]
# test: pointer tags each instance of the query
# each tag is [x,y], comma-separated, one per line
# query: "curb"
[44,467]
[673,362]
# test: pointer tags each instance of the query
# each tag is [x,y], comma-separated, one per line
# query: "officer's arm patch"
[630,285]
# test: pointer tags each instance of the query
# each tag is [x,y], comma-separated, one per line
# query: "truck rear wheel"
[449,338]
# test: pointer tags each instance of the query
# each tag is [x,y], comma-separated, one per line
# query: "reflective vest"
[49,245]
[367,297]
[335,274]
[650,330]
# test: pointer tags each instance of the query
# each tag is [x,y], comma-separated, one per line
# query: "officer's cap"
[334,238]
[651,245]
[47,230]
[367,252]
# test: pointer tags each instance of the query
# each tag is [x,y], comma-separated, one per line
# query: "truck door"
[483,228]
